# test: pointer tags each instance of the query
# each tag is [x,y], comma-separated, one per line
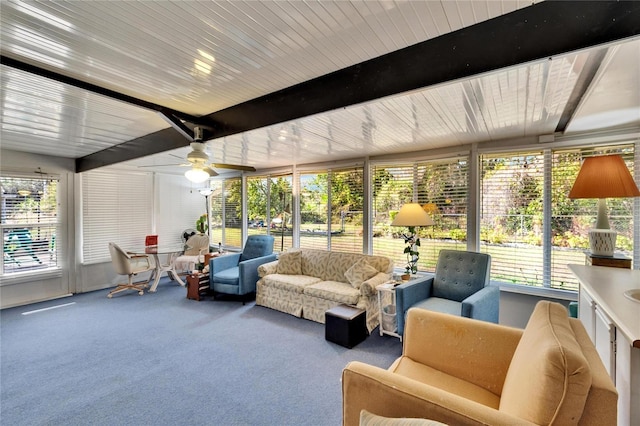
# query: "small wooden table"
[197,285]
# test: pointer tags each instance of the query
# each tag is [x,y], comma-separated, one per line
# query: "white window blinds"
[531,246]
[572,219]
[441,186]
[30,227]
[116,207]
[511,214]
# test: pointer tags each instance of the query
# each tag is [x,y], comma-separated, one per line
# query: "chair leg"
[129,286]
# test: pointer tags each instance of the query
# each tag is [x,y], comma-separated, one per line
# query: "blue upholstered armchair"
[460,287]
[237,273]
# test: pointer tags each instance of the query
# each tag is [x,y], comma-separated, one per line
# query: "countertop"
[606,286]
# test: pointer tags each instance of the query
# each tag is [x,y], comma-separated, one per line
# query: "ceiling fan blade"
[233,167]
[169,165]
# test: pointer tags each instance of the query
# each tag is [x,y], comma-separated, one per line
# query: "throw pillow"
[370,419]
[359,272]
[290,263]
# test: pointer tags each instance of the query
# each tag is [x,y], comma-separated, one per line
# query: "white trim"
[570,295]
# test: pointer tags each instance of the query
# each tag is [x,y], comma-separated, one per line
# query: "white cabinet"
[613,323]
[605,341]
[587,313]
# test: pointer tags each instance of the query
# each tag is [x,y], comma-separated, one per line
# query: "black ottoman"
[345,325]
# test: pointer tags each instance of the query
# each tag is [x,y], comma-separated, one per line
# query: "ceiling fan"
[198,160]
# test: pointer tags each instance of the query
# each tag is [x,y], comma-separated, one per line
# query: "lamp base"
[602,242]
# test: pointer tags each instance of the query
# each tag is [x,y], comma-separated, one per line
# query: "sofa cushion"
[370,419]
[314,263]
[548,367]
[338,265]
[228,276]
[437,304]
[407,367]
[333,290]
[359,272]
[293,283]
[289,263]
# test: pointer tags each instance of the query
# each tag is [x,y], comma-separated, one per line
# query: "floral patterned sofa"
[307,282]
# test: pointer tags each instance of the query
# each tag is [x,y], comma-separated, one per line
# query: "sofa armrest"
[370,286]
[409,294]
[483,305]
[482,350]
[267,268]
[248,272]
[220,263]
[384,393]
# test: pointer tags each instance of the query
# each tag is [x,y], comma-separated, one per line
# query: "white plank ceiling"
[203,57]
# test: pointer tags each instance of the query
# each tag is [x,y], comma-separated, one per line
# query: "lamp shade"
[412,214]
[604,176]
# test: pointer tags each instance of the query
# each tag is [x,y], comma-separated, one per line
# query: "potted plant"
[411,251]
[201,224]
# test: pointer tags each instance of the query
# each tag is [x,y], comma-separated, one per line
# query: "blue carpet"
[161,359]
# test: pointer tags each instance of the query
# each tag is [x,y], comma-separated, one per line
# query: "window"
[280,209]
[314,221]
[269,204]
[258,205]
[29,224]
[331,210]
[347,205]
[572,219]
[511,216]
[116,207]
[233,212]
[441,187]
[216,211]
[531,247]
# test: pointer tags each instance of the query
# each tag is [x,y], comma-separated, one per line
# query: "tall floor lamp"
[206,192]
[603,177]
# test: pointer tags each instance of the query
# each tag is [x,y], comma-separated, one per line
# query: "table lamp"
[603,177]
[412,215]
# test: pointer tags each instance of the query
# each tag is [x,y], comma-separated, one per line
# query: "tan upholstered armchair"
[462,371]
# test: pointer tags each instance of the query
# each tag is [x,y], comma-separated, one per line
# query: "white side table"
[387,307]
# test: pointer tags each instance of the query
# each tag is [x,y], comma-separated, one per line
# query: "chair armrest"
[220,263]
[267,268]
[483,305]
[387,394]
[138,256]
[482,350]
[370,286]
[409,294]
[248,272]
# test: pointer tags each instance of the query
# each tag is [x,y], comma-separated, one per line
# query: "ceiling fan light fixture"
[197,175]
